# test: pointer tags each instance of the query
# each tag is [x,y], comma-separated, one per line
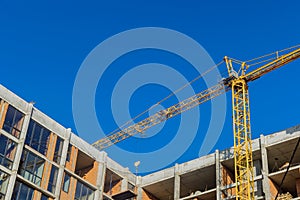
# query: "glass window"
[44,197]
[13,121]
[58,150]
[4,178]
[31,167]
[52,179]
[22,192]
[131,186]
[69,153]
[37,137]
[83,192]
[7,151]
[66,183]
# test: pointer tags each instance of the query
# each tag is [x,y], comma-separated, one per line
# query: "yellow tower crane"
[237,82]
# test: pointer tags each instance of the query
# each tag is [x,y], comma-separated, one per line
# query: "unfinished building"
[40,159]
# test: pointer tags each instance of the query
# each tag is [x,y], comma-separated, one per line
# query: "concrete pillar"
[265,168]
[139,188]
[176,182]
[218,174]
[19,151]
[62,163]
[124,184]
[101,176]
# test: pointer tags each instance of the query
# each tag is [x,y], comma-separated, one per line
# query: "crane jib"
[210,93]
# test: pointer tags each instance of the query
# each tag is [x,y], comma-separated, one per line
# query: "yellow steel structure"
[243,161]
[237,82]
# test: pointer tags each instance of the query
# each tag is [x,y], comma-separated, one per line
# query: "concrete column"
[101,176]
[62,163]
[265,168]
[218,175]
[124,184]
[139,188]
[176,182]
[19,151]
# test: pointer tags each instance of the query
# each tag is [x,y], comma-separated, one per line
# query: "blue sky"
[43,45]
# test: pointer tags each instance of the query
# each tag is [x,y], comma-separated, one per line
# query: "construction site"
[41,159]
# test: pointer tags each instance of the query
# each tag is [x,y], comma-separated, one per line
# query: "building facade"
[40,159]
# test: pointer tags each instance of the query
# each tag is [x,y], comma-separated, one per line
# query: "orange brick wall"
[51,146]
[18,126]
[11,154]
[3,110]
[46,175]
[298,187]
[70,165]
[36,195]
[147,196]
[273,189]
[116,188]
[91,173]
[227,179]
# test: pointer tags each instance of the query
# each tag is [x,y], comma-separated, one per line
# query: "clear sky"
[44,43]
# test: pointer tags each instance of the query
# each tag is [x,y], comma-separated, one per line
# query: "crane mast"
[243,160]
[237,82]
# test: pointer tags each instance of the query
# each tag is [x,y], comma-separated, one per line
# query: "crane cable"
[169,96]
[200,76]
[269,54]
[287,169]
[263,56]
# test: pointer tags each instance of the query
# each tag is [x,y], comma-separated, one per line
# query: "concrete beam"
[101,176]
[265,168]
[159,176]
[48,123]
[13,99]
[120,170]
[124,184]
[139,188]
[176,182]
[218,175]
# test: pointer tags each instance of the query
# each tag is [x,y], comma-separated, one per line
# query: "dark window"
[37,137]
[22,192]
[31,167]
[52,179]
[66,183]
[7,151]
[58,150]
[69,153]
[4,178]
[83,192]
[13,121]
[44,197]
[131,187]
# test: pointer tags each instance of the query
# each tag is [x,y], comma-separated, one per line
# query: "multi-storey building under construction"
[40,159]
